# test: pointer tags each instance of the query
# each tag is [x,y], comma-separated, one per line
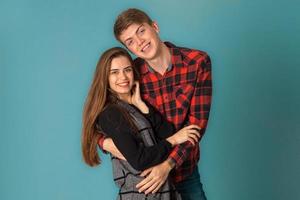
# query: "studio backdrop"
[48,54]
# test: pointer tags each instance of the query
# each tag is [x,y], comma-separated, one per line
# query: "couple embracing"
[149,113]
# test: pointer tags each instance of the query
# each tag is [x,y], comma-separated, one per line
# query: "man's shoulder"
[185,50]
[191,53]
[195,58]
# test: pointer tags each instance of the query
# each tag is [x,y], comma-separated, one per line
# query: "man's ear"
[155,26]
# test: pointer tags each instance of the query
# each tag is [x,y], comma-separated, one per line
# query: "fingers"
[146,172]
[152,187]
[143,182]
[193,126]
[137,84]
[189,133]
[193,137]
[191,141]
[136,90]
[158,187]
[194,129]
[194,132]
[147,184]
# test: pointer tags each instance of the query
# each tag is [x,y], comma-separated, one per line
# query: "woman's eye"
[113,72]
[128,70]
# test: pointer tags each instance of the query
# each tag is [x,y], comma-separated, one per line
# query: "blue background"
[48,53]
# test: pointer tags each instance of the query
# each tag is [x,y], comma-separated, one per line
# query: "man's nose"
[139,40]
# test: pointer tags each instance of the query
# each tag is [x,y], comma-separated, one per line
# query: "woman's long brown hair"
[98,96]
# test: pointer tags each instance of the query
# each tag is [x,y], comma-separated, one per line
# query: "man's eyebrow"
[137,30]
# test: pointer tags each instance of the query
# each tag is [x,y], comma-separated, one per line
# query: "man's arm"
[199,113]
[199,109]
[116,126]
[155,177]
[107,145]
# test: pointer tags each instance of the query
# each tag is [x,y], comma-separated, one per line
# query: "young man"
[177,82]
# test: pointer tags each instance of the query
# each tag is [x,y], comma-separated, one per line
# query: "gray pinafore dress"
[126,177]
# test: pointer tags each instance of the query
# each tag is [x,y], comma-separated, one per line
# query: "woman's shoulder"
[109,117]
[109,111]
[112,114]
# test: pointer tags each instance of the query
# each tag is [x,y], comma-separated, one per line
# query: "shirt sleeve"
[114,125]
[199,109]
[101,141]
[162,128]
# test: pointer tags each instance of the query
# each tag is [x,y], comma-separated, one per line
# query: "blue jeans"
[191,187]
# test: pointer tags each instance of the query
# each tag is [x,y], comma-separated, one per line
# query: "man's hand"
[108,145]
[155,177]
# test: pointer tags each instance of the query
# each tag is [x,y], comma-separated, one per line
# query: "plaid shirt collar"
[175,55]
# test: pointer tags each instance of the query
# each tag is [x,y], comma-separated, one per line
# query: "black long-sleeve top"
[114,124]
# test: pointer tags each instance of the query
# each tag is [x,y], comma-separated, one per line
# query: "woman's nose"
[122,75]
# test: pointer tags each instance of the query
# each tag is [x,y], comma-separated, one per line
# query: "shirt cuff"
[174,157]
[100,144]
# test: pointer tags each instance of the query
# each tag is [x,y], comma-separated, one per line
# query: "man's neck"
[162,61]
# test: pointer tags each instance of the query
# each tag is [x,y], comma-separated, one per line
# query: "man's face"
[142,40]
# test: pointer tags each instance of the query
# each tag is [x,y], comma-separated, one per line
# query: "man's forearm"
[109,146]
[180,153]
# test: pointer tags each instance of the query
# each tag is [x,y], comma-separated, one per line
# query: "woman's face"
[121,77]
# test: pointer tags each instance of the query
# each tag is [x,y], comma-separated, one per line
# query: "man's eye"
[142,31]
[129,43]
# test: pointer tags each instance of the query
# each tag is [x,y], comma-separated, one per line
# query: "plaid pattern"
[126,177]
[183,96]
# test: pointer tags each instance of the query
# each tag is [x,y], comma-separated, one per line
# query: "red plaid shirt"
[183,96]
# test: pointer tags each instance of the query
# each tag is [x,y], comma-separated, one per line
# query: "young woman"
[114,107]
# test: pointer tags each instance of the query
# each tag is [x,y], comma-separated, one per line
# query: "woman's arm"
[115,126]
[162,128]
[165,130]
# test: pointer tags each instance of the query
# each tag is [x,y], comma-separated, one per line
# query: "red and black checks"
[183,96]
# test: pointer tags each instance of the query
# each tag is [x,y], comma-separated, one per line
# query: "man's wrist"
[171,164]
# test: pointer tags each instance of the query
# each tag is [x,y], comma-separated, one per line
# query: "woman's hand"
[136,94]
[137,100]
[188,133]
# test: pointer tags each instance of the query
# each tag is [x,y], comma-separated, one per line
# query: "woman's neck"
[125,97]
